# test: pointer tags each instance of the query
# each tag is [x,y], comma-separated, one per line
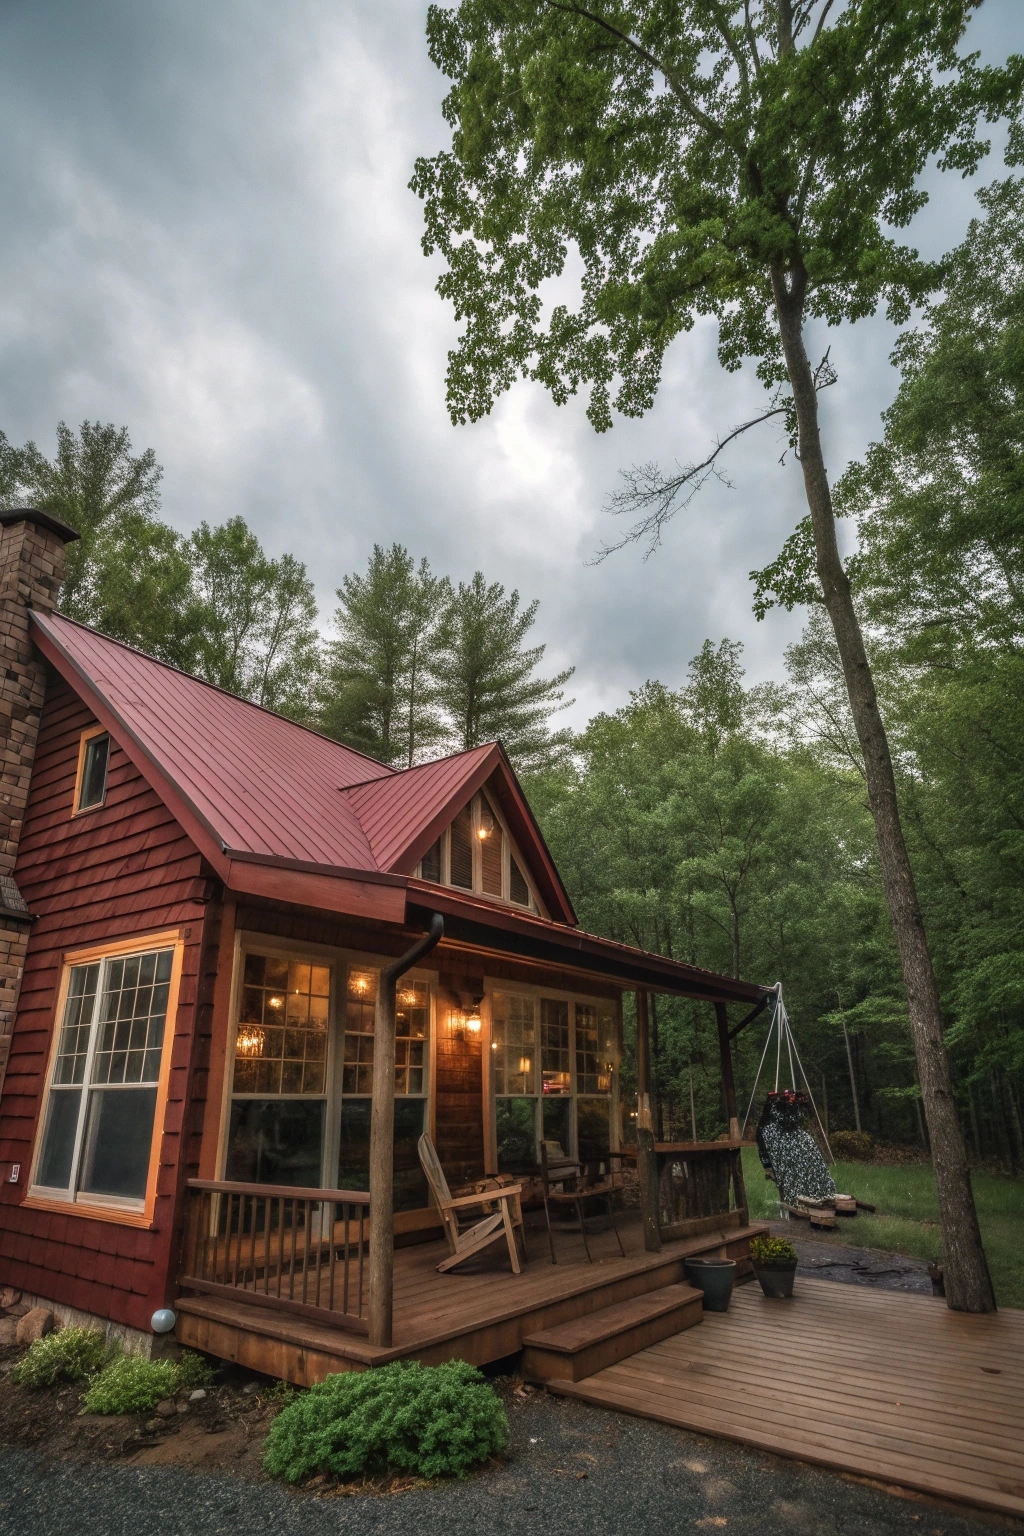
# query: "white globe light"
[163,1320]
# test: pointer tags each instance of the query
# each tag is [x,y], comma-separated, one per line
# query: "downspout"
[382,1137]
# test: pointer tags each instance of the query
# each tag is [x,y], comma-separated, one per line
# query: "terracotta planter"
[776,1280]
[715,1278]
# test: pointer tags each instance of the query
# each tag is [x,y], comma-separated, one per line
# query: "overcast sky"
[208,237]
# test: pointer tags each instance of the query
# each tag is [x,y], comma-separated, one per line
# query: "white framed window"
[553,1071]
[104,1097]
[302,1084]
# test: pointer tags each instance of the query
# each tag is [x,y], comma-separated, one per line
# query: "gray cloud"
[208,237]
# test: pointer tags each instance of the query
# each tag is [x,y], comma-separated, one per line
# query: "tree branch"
[657,497]
[707,123]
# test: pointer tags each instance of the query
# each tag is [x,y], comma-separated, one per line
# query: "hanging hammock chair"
[787,1151]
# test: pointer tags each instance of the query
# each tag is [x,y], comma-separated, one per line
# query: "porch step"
[574,1350]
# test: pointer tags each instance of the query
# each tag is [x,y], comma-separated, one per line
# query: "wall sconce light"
[473,1020]
[525,1066]
[486,826]
[249,1040]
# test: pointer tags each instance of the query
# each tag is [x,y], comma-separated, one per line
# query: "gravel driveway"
[574,1471]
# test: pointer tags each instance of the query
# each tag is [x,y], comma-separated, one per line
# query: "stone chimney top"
[11,515]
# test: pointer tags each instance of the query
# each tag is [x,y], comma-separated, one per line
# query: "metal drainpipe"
[382,1137]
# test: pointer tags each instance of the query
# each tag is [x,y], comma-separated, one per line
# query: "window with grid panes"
[279,1097]
[595,1054]
[412,1026]
[514,1075]
[98,1127]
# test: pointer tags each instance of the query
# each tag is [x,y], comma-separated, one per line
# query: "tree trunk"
[968,1284]
[853,1078]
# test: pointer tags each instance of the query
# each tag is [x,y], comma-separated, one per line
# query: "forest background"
[725,825]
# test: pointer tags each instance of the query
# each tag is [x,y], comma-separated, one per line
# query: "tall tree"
[742,161]
[377,692]
[486,679]
[256,620]
[92,483]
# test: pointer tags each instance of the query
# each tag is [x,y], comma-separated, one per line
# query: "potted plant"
[775,1264]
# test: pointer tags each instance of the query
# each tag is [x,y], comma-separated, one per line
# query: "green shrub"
[69,1354]
[131,1384]
[193,1371]
[852,1146]
[771,1250]
[433,1421]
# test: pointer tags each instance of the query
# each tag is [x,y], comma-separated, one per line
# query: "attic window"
[93,756]
[475,853]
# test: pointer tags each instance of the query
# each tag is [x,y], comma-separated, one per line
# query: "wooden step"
[574,1350]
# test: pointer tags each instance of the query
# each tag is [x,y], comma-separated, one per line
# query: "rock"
[9,1297]
[19,1309]
[198,1395]
[183,1407]
[153,1426]
[34,1325]
[8,1330]
[167,1409]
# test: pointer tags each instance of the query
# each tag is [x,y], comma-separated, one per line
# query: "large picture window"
[553,1077]
[288,1124]
[100,1114]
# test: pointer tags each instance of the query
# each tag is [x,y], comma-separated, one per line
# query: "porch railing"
[292,1250]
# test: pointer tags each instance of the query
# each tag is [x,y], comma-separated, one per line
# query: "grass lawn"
[908,1215]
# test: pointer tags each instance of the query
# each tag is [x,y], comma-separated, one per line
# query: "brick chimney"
[31,571]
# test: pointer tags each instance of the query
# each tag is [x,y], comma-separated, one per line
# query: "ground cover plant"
[907,1215]
[70,1354]
[431,1421]
[132,1384]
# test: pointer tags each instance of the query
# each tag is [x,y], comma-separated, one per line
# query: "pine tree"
[377,694]
[486,680]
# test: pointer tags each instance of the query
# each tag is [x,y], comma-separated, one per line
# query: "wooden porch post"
[647,1163]
[382,1139]
[729,1084]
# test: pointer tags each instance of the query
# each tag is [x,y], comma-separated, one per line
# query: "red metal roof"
[249,783]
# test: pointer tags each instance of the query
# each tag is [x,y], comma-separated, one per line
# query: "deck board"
[881,1384]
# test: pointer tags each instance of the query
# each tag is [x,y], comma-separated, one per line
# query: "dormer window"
[475,854]
[93,756]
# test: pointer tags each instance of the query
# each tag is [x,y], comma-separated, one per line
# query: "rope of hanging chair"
[780,1024]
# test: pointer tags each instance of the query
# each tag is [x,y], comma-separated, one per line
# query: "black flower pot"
[715,1278]
[776,1280]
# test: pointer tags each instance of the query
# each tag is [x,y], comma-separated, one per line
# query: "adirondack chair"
[504,1223]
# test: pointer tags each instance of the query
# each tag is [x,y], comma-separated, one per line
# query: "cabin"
[245,969]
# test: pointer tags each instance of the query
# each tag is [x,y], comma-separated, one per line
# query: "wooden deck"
[480,1312]
[877,1383]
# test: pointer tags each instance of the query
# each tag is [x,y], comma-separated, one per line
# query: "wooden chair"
[505,1223]
[568,1183]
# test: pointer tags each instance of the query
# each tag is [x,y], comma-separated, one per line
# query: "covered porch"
[480,1313]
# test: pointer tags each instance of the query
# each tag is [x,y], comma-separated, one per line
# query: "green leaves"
[682,152]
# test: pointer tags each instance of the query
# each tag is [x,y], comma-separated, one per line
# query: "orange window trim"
[98,1209]
[87,736]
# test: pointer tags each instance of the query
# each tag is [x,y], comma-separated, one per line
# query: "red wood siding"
[123,870]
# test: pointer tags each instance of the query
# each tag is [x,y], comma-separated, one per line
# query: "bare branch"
[678,90]
[654,498]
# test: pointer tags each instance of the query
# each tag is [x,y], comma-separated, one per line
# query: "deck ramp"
[876,1383]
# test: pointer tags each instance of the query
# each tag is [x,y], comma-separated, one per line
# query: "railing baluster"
[291,1254]
[223,1249]
[346,1218]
